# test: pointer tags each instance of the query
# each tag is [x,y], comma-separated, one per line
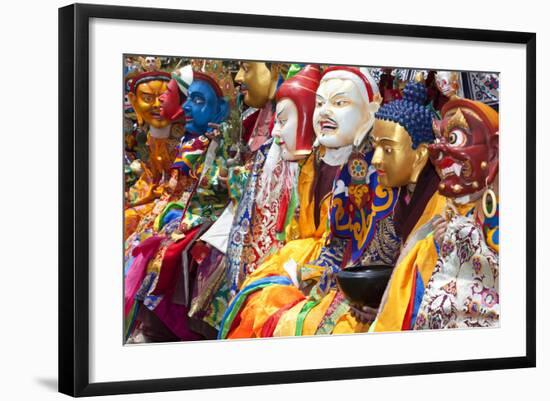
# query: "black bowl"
[364,285]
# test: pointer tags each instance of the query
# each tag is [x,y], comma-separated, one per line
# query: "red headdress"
[301,89]
[148,77]
[366,83]
[200,76]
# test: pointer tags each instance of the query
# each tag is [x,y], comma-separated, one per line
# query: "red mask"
[465,153]
[171,102]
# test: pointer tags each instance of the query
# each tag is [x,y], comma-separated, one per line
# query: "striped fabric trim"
[336,310]
[236,304]
[309,305]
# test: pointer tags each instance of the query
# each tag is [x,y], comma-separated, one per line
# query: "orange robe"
[303,246]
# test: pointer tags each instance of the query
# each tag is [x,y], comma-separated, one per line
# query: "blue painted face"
[203,106]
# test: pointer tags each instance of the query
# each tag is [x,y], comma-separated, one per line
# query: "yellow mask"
[257,83]
[396,162]
[146,103]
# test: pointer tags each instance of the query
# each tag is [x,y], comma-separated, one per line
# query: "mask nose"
[187,107]
[324,111]
[438,150]
[377,158]
[240,76]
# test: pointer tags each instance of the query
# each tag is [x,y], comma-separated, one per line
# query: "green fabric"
[242,296]
[293,70]
[293,204]
[308,306]
[130,320]
[170,206]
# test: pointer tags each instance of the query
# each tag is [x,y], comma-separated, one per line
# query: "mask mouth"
[156,114]
[453,170]
[447,166]
[243,88]
[328,126]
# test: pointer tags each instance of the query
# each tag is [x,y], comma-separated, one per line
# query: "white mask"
[284,130]
[150,63]
[447,82]
[341,113]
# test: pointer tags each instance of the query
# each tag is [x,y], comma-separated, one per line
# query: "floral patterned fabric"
[241,229]
[262,235]
[463,289]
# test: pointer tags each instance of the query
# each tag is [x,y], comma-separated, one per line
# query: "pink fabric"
[142,253]
[174,316]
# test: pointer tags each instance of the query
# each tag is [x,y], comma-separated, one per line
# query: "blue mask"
[203,106]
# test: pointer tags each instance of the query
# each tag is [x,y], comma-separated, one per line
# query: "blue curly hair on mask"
[411,113]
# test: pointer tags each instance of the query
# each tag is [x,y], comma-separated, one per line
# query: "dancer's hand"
[440,226]
[363,314]
[215,132]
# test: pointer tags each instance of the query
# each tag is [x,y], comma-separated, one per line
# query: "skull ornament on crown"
[149,64]
[447,82]
[346,101]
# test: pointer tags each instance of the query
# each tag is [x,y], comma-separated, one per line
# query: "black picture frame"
[74,198]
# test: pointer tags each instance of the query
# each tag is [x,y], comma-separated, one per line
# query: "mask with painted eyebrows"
[205,104]
[257,83]
[346,101]
[145,92]
[466,150]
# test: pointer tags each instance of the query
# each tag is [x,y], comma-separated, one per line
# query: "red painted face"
[465,153]
[171,103]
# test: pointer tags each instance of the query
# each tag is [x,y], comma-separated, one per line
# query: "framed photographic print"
[250,199]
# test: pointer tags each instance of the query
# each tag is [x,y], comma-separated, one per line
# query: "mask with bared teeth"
[465,153]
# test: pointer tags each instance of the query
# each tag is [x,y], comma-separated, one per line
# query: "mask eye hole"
[457,137]
[147,98]
[198,100]
[341,102]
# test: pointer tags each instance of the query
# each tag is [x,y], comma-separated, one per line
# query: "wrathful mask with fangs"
[465,153]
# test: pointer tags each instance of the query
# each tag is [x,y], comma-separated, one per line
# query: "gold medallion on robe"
[359,193]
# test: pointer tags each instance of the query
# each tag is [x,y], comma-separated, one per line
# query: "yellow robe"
[391,318]
[142,195]
[421,257]
[306,247]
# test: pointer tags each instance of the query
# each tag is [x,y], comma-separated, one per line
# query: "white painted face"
[447,82]
[284,130]
[341,113]
[150,63]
